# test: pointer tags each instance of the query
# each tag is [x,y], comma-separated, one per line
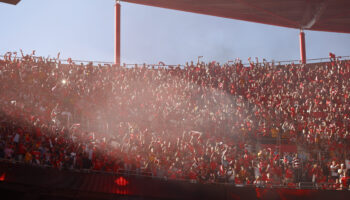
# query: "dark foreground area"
[18,181]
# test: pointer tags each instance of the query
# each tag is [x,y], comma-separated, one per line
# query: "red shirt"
[213,165]
[21,149]
[289,173]
[238,181]
[97,165]
[192,175]
[36,154]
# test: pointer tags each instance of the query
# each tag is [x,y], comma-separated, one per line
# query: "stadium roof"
[318,15]
[14,2]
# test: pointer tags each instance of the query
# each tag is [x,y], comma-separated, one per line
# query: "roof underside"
[318,15]
[14,2]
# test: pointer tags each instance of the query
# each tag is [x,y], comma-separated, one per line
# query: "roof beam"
[13,2]
[316,14]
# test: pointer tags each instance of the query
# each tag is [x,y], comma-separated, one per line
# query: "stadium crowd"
[198,122]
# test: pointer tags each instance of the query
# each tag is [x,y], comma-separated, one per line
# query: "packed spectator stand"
[201,122]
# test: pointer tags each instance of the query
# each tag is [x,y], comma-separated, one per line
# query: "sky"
[84,30]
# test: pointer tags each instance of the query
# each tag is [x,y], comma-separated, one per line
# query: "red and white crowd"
[199,122]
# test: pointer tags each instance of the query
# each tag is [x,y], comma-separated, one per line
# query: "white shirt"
[16,138]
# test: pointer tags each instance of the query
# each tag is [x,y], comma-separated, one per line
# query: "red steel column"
[302,47]
[117,34]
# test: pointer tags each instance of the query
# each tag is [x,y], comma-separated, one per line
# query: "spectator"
[198,122]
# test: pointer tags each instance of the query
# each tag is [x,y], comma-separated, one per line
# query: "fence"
[162,65]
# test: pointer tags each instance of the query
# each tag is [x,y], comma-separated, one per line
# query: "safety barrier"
[163,65]
[50,181]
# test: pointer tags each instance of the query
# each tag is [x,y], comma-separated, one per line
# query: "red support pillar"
[117,34]
[302,47]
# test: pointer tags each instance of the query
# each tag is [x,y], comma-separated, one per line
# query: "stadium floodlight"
[13,2]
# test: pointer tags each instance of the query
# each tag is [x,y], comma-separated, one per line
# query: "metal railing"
[156,66]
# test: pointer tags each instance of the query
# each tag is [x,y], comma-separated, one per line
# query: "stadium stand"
[206,123]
